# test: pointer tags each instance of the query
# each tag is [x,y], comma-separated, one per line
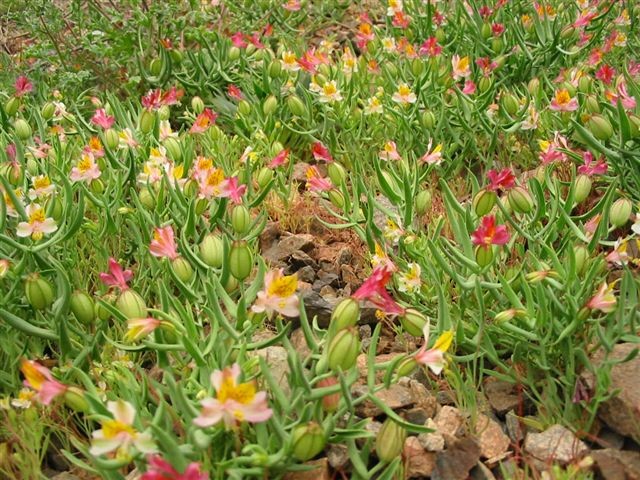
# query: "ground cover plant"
[319,239]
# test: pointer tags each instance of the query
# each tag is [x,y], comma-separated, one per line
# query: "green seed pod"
[231,285]
[74,399]
[212,250]
[485,84]
[147,119]
[417,67]
[39,292]
[406,367]
[101,312]
[12,105]
[510,104]
[441,35]
[581,254]
[12,172]
[307,441]
[296,107]
[182,268]
[264,177]
[111,139]
[234,53]
[413,322]
[22,129]
[620,212]
[250,49]
[583,188]
[270,105]
[486,31]
[173,148]
[96,186]
[155,66]
[147,199]
[275,69]
[32,166]
[240,260]
[197,105]
[244,108]
[176,56]
[534,87]
[567,32]
[634,125]
[54,207]
[484,255]
[345,315]
[497,45]
[337,173]
[390,441]
[131,304]
[48,109]
[600,127]
[584,84]
[336,198]
[592,105]
[423,202]
[164,112]
[520,200]
[240,219]
[391,181]
[344,349]
[83,307]
[483,202]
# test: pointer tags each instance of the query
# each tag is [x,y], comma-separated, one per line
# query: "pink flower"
[461,67]
[591,167]
[604,299]
[237,39]
[160,469]
[486,65]
[234,402]
[434,357]
[605,74]
[37,225]
[501,180]
[22,86]
[374,290]
[292,5]
[117,277]
[497,29]
[231,189]
[86,169]
[279,159]
[315,182]
[430,47]
[234,92]
[203,121]
[469,87]
[401,20]
[254,39]
[550,151]
[432,157]
[163,244]
[364,34]
[279,295]
[39,378]
[320,152]
[488,233]
[628,102]
[390,152]
[118,433]
[101,119]
[138,328]
[156,98]
[563,102]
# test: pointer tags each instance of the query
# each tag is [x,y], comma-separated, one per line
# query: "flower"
[434,357]
[138,328]
[430,47]
[212,183]
[315,181]
[469,87]
[39,378]
[531,121]
[330,92]
[392,232]
[604,299]
[628,102]
[280,158]
[605,74]
[563,102]
[591,167]
[320,152]
[488,233]
[374,290]
[163,244]
[373,106]
[160,469]
[203,121]
[86,169]
[155,99]
[409,281]
[42,187]
[234,92]
[290,62]
[292,5]
[550,151]
[389,152]
[404,95]
[501,180]
[127,139]
[101,119]
[461,67]
[234,402]
[117,277]
[432,157]
[22,86]
[233,190]
[38,224]
[119,434]
[279,295]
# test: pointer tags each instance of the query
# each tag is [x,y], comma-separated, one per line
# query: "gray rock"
[481,472]
[395,397]
[277,358]
[493,441]
[279,254]
[316,305]
[456,462]
[338,455]
[419,462]
[307,274]
[450,421]
[434,441]
[299,343]
[344,256]
[501,395]
[556,444]
[319,471]
[65,476]
[365,336]
[515,428]
[617,464]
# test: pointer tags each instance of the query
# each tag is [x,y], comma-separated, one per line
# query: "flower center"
[41,182]
[37,216]
[243,393]
[84,164]
[283,286]
[113,428]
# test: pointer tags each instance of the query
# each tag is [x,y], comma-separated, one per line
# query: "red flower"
[103,120]
[160,469]
[497,29]
[606,74]
[234,92]
[591,167]
[279,159]
[117,277]
[156,98]
[23,86]
[430,47]
[237,39]
[320,152]
[488,233]
[374,290]
[501,180]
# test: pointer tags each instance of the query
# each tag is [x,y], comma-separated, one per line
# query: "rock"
[299,343]
[348,275]
[345,254]
[515,428]
[450,421]
[610,439]
[326,279]
[373,427]
[380,217]
[328,293]
[277,359]
[318,306]
[434,441]
[445,397]
[362,364]
[279,253]
[455,462]
[319,470]
[481,472]
[419,462]
[365,336]
[423,398]
[501,395]
[617,464]
[269,235]
[395,397]
[417,416]
[300,259]
[65,476]
[622,412]
[338,455]
[493,441]
[307,274]
[556,444]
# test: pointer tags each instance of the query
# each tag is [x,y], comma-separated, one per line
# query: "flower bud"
[484,255]
[264,177]
[428,119]
[13,172]
[182,268]
[101,312]
[483,202]
[234,53]
[275,69]
[147,120]
[111,139]
[22,129]
[346,314]
[497,44]
[581,255]
[417,67]
[240,219]
[212,250]
[520,200]
[567,32]
[423,202]
[485,84]
[82,307]
[600,127]
[39,292]
[534,87]
[510,104]
[441,35]
[164,112]
[390,441]
[48,109]
[584,84]
[413,322]
[173,148]
[131,304]
[231,284]
[583,188]
[147,198]
[250,49]
[307,441]
[244,108]
[336,198]
[240,260]
[296,107]
[391,181]
[620,212]
[344,349]
[406,367]
[155,67]
[270,105]
[197,105]
[337,173]
[12,105]
[330,402]
[53,205]
[486,31]
[32,166]
[505,315]
[592,105]
[74,399]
